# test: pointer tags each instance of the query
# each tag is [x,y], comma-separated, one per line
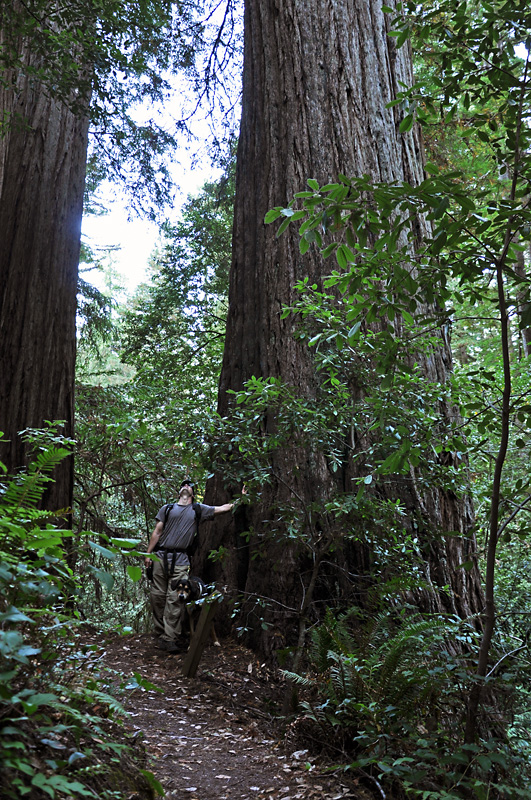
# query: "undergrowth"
[391,690]
[60,731]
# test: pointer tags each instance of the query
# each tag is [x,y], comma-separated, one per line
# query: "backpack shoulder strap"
[167,508]
[195,541]
[197,511]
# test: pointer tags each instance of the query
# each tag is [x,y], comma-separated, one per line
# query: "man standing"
[172,539]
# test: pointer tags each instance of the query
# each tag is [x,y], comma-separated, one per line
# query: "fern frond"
[379,665]
[103,697]
[300,680]
[321,714]
[332,635]
[25,490]
[405,646]
[348,678]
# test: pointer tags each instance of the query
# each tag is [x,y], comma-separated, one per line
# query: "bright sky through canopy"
[135,238]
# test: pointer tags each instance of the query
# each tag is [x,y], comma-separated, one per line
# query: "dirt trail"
[214,736]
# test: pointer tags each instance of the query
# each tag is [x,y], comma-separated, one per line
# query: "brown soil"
[216,736]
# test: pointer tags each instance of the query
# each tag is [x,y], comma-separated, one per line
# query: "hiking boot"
[180,645]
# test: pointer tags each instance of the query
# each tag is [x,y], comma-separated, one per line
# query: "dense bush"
[390,692]
[59,731]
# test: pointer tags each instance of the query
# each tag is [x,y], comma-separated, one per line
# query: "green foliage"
[111,60]
[101,57]
[94,312]
[244,449]
[52,740]
[375,668]
[411,263]
[122,474]
[407,257]
[173,332]
[387,690]
[140,425]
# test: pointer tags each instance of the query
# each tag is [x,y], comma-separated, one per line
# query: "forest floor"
[216,736]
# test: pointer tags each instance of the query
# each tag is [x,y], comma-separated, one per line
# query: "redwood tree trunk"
[42,169]
[317,79]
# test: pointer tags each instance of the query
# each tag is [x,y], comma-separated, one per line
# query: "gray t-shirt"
[179,528]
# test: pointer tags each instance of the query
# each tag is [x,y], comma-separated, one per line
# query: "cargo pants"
[167,611]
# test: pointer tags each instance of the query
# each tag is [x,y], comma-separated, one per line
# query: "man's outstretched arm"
[223,509]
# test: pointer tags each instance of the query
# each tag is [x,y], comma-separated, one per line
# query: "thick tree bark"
[42,169]
[317,79]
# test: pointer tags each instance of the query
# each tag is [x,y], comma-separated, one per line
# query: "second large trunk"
[317,82]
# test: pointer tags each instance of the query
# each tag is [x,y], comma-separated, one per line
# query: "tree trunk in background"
[42,169]
[317,78]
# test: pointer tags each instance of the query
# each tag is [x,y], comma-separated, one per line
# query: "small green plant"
[379,674]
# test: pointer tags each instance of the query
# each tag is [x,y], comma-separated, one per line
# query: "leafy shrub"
[390,691]
[58,730]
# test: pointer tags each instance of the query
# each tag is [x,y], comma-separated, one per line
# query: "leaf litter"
[215,736]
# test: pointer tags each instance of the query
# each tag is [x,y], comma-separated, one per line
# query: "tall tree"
[316,87]
[42,166]
[63,66]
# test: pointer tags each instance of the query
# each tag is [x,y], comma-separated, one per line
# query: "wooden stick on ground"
[199,639]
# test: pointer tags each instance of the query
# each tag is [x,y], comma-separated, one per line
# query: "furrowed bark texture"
[42,172]
[317,78]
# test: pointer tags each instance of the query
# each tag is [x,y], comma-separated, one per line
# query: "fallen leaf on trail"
[203,725]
